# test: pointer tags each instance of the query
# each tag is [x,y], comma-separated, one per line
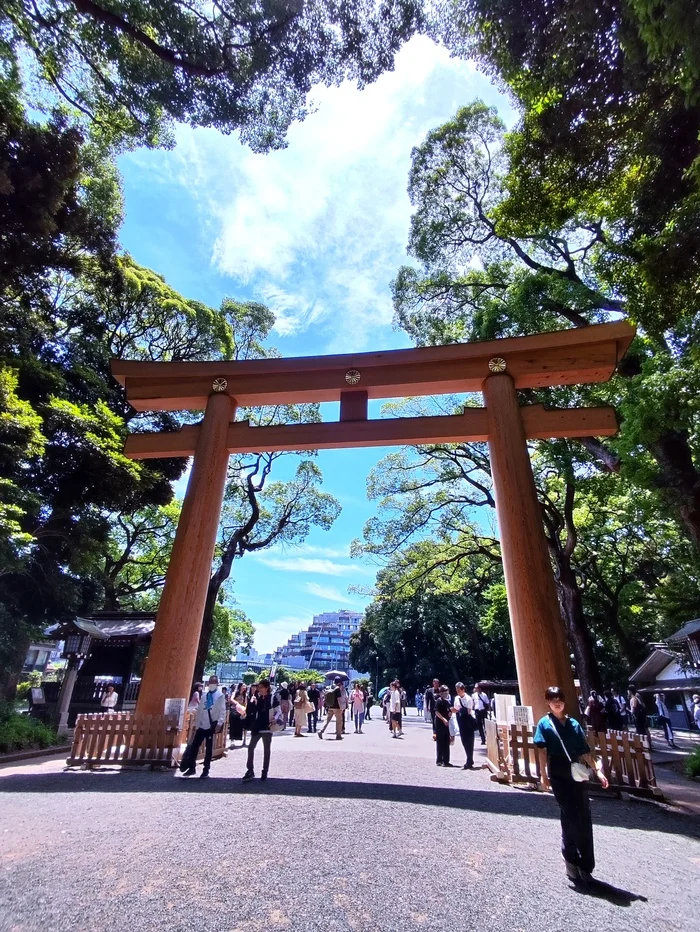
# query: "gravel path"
[363,834]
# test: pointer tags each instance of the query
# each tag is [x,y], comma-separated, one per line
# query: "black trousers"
[480,716]
[442,743]
[576,824]
[266,738]
[466,733]
[189,758]
[312,720]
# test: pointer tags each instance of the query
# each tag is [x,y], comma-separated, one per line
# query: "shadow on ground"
[600,890]
[611,812]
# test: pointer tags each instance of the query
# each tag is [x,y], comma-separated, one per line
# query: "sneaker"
[338,737]
[189,773]
[585,876]
[204,775]
[448,765]
[248,775]
[263,775]
[438,763]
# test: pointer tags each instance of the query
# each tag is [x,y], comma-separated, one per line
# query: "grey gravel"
[363,834]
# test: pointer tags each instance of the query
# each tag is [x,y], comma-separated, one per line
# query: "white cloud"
[316,565]
[319,229]
[328,592]
[272,634]
[315,550]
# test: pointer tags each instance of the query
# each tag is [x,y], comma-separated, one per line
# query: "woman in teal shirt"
[566,743]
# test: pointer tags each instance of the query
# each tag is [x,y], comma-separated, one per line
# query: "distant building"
[324,645]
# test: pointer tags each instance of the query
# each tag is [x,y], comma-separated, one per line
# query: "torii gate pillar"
[181,609]
[541,655]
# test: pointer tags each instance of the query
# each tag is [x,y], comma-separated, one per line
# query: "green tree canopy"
[132,67]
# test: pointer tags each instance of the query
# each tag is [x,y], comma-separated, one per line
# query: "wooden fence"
[129,738]
[626,758]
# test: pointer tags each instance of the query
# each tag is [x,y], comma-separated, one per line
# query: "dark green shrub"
[21,733]
[692,764]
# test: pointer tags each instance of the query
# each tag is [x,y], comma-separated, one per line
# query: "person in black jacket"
[441,728]
[257,721]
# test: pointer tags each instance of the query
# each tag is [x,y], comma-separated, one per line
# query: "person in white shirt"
[211,715]
[482,703]
[395,710]
[696,710]
[464,710]
[109,699]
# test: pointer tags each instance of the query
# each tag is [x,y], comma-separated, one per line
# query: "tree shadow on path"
[498,801]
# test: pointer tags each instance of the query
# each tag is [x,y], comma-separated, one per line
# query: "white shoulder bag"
[579,771]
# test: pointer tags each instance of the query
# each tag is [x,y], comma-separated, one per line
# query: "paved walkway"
[363,834]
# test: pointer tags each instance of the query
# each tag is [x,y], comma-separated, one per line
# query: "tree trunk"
[571,603]
[207,628]
[680,478]
[12,668]
[630,651]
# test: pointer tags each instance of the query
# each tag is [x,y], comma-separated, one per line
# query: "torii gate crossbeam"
[496,368]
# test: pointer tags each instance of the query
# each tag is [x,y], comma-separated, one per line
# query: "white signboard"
[176,707]
[504,704]
[273,672]
[521,715]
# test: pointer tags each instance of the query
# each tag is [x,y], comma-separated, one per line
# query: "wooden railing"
[130,738]
[626,758]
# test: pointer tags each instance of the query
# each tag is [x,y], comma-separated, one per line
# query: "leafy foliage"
[134,66]
[232,630]
[21,733]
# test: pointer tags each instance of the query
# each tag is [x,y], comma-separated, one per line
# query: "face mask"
[213,687]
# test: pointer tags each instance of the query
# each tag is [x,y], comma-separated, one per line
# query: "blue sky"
[316,232]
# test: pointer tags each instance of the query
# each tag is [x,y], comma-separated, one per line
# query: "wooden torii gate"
[496,368]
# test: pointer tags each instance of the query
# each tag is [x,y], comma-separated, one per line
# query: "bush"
[21,733]
[692,764]
[24,687]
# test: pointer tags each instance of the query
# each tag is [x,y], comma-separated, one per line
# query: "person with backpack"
[638,711]
[211,715]
[262,715]
[333,710]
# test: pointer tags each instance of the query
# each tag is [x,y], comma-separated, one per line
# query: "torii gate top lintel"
[564,357]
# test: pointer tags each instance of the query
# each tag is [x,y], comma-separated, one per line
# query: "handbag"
[276,720]
[579,771]
[454,727]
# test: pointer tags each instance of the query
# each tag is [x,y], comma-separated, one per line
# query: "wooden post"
[66,694]
[170,665]
[541,653]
